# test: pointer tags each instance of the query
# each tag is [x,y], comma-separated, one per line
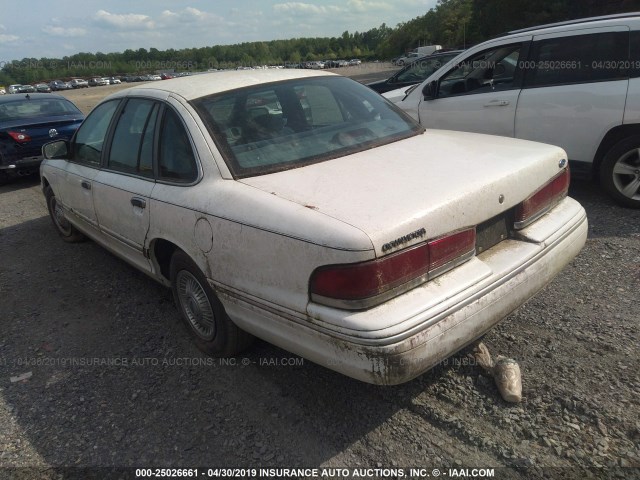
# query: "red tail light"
[363,285]
[541,201]
[19,137]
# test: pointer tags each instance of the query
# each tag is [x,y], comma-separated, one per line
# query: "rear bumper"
[403,338]
[27,163]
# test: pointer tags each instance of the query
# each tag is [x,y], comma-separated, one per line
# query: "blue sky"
[53,29]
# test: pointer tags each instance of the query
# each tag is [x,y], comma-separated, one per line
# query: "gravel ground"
[115,381]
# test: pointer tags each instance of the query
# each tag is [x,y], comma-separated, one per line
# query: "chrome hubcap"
[626,174]
[195,305]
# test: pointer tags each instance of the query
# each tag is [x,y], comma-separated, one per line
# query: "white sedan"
[303,208]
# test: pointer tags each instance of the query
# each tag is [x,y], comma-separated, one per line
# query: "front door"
[480,93]
[76,192]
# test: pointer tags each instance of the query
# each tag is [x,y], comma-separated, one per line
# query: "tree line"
[451,23]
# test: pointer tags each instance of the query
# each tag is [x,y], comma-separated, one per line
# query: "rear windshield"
[278,126]
[36,107]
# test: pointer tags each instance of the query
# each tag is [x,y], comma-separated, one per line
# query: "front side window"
[131,149]
[293,123]
[578,59]
[89,140]
[487,71]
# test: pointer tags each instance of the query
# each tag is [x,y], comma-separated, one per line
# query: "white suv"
[574,84]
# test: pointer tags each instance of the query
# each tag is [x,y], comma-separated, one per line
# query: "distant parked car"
[336,63]
[2,91]
[26,123]
[97,82]
[113,80]
[26,89]
[414,73]
[354,61]
[43,88]
[13,88]
[79,83]
[57,85]
[408,58]
[315,65]
[302,208]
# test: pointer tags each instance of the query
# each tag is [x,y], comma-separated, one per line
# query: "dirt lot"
[114,380]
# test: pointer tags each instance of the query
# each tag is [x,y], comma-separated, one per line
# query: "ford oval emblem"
[53,133]
[562,163]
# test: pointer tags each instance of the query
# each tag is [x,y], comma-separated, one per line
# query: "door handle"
[86,185]
[497,103]
[138,202]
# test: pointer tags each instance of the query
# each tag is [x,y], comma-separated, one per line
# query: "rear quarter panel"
[251,245]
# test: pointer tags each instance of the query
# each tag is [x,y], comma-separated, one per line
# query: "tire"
[203,314]
[620,172]
[68,232]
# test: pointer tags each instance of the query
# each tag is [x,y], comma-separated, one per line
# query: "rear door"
[123,187]
[575,89]
[480,93]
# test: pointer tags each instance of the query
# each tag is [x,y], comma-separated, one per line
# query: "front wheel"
[620,172]
[68,232]
[212,330]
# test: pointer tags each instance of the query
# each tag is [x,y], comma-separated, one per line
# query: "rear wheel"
[212,330]
[68,232]
[620,172]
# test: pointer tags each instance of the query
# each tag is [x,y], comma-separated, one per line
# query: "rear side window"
[89,140]
[595,57]
[131,149]
[177,161]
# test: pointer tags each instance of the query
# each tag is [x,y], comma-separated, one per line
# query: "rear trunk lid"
[422,187]
[41,131]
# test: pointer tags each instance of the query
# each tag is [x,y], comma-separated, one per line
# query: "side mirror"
[430,90]
[57,149]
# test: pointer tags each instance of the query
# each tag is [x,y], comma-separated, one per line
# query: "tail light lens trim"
[542,200]
[358,286]
[19,137]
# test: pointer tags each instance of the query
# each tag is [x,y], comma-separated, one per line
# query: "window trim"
[163,105]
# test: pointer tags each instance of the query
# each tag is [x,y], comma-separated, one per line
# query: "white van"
[574,84]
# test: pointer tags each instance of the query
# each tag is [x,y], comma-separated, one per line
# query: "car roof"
[203,84]
[577,21]
[18,97]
